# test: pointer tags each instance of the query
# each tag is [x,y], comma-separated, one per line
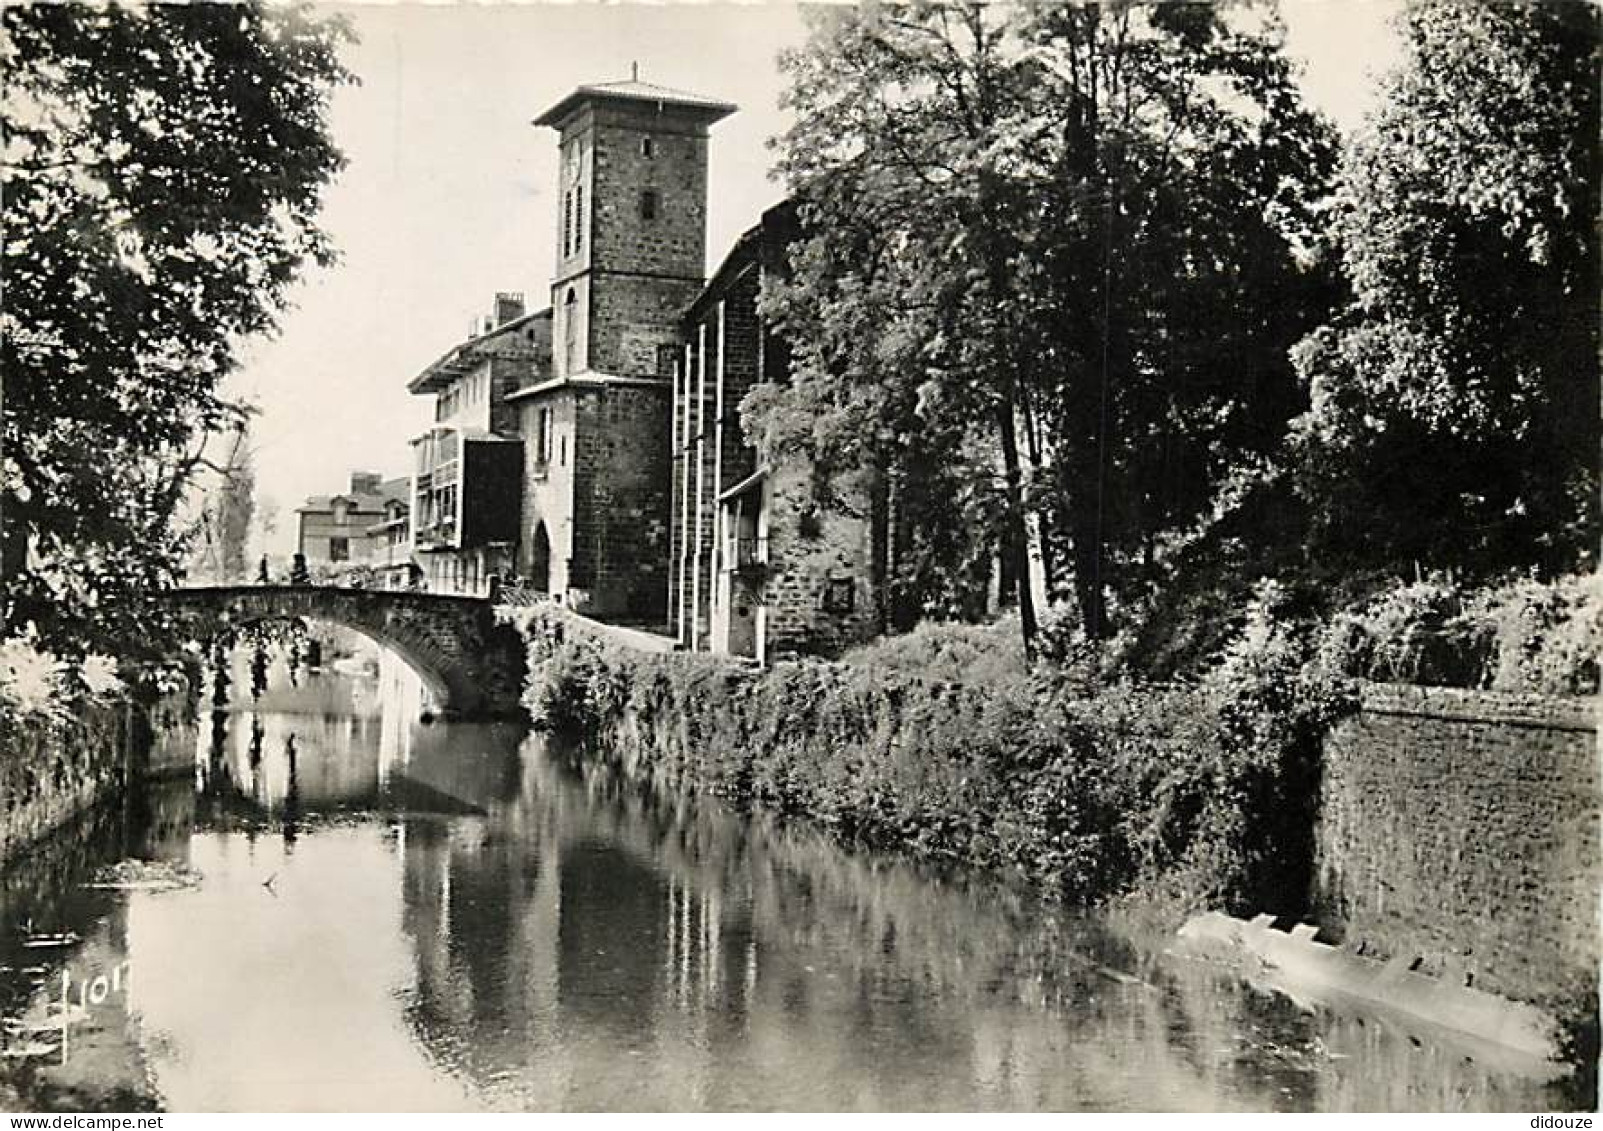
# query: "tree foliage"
[1056,257]
[164,167]
[1455,400]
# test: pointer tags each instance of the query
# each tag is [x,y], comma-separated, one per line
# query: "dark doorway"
[540,560]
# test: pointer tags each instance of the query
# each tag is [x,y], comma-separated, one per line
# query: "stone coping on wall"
[637,639]
[1505,707]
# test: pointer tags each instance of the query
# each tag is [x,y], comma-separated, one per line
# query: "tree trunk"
[1015,542]
[879,538]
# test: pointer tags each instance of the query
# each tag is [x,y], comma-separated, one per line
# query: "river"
[345,909]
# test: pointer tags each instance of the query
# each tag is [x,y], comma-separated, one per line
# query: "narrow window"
[339,549]
[570,332]
[647,148]
[578,218]
[648,204]
[562,450]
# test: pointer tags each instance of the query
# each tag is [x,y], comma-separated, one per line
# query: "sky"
[448,194]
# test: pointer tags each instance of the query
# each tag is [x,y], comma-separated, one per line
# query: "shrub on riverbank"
[1521,635]
[1085,787]
[39,688]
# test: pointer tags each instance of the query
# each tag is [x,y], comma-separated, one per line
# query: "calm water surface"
[387,915]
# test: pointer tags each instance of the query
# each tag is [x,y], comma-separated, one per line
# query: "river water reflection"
[432,917]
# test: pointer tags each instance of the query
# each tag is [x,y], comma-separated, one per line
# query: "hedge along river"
[344,909]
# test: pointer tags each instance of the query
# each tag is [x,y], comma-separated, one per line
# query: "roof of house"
[465,355]
[361,503]
[398,489]
[708,110]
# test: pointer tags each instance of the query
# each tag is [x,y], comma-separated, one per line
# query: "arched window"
[570,331]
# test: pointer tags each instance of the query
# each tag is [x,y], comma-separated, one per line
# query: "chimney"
[365,482]
[508,305]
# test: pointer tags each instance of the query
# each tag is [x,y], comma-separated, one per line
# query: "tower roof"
[706,110]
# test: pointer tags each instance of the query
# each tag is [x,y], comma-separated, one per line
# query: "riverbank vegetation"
[1085,785]
[1073,773]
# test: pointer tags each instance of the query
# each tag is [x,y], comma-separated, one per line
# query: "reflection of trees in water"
[582,917]
[734,934]
[221,679]
[258,670]
[481,910]
[292,797]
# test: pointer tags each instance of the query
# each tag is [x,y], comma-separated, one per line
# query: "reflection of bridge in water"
[472,665]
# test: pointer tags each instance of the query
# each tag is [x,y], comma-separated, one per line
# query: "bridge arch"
[471,665]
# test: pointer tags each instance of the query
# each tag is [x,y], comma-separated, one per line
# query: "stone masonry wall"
[674,241]
[620,525]
[49,774]
[1463,828]
[647,268]
[742,332]
[808,551]
[634,323]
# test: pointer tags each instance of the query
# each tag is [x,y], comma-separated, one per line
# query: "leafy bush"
[38,687]
[1521,635]
[979,653]
[32,681]
[1546,636]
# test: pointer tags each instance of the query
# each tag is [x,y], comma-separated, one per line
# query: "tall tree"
[1177,258]
[1082,234]
[163,169]
[1456,399]
[227,512]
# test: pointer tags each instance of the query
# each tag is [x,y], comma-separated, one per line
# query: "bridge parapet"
[472,665]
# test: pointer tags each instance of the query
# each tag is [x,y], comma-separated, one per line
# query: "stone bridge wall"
[472,665]
[1462,827]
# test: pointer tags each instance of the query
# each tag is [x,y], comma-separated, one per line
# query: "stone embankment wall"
[1462,828]
[51,773]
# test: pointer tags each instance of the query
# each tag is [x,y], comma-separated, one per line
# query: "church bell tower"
[631,226]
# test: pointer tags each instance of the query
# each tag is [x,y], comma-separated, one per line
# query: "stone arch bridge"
[471,665]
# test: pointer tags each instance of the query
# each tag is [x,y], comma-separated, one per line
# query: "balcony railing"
[748,555]
[439,473]
[438,533]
